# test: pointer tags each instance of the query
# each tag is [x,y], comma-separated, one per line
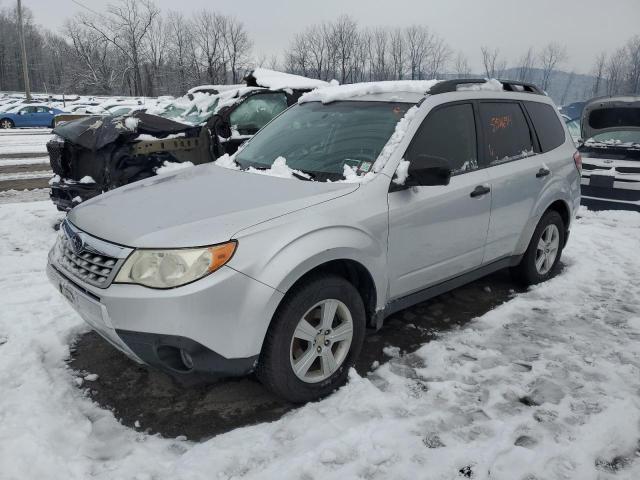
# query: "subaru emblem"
[76,243]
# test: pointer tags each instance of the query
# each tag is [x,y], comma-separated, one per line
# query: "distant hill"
[564,87]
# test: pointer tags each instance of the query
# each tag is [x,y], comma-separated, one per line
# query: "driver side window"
[256,111]
[448,133]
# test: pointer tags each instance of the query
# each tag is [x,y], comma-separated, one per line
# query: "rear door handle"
[479,191]
[543,172]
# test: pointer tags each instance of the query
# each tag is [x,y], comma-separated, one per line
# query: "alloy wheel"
[547,249]
[321,341]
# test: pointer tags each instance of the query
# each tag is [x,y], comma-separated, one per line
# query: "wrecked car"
[610,149]
[95,154]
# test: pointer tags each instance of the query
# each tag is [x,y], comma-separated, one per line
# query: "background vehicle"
[610,129]
[265,264]
[29,115]
[196,128]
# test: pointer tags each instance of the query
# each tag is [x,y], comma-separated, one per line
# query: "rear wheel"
[541,259]
[315,337]
[6,123]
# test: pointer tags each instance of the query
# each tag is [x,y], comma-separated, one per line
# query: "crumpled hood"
[95,132]
[610,114]
[197,206]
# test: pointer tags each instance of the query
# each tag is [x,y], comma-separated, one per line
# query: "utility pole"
[25,68]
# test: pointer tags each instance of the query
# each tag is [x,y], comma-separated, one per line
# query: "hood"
[197,206]
[610,114]
[94,132]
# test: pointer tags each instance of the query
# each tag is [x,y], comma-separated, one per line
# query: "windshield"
[320,139]
[193,111]
[618,138]
[574,128]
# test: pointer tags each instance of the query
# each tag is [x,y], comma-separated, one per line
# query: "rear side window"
[256,111]
[506,132]
[448,133]
[547,125]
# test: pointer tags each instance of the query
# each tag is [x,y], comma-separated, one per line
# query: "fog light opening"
[175,358]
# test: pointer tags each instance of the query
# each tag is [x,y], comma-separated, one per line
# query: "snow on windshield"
[345,92]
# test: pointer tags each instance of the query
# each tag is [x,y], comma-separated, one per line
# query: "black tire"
[7,123]
[526,272]
[274,368]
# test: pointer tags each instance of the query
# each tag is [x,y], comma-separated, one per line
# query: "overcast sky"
[586,27]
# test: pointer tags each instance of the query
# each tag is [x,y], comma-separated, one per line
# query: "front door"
[439,232]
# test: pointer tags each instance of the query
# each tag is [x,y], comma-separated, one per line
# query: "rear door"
[439,232]
[516,173]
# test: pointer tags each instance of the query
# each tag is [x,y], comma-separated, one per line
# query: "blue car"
[29,116]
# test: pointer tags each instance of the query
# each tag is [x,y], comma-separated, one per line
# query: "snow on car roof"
[273,80]
[218,88]
[400,90]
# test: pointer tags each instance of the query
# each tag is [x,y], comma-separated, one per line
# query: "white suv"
[357,202]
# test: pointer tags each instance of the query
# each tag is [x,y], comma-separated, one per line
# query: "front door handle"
[479,191]
[543,172]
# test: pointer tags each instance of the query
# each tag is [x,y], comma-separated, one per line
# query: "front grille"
[87,258]
[90,267]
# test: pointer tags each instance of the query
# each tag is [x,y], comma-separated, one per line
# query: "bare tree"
[494,65]
[526,64]
[238,46]
[398,53]
[461,66]
[598,74]
[551,57]
[126,25]
[180,44]
[567,87]
[417,39]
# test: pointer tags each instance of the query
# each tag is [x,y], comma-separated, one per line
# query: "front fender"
[281,266]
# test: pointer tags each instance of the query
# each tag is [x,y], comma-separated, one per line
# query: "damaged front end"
[97,154]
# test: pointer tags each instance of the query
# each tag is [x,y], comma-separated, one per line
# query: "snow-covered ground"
[24,141]
[544,387]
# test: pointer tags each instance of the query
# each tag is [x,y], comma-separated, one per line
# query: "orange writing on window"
[500,123]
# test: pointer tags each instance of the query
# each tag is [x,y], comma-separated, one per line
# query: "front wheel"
[6,123]
[315,337]
[540,261]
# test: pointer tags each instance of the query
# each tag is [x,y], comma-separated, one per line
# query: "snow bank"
[170,167]
[279,80]
[544,386]
[345,92]
[491,85]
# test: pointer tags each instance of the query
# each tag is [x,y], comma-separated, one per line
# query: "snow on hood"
[262,77]
[200,205]
[334,93]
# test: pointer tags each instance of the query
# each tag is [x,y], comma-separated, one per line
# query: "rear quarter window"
[547,125]
[506,132]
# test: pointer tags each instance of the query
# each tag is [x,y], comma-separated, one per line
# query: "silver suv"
[357,202]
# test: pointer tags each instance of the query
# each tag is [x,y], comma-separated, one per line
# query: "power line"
[85,7]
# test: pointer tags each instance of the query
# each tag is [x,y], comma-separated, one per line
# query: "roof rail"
[447,86]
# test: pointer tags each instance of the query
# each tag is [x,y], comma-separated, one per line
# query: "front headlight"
[173,268]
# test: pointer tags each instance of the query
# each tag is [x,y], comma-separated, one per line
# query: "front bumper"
[610,193]
[219,321]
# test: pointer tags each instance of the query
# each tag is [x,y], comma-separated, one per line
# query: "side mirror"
[426,170]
